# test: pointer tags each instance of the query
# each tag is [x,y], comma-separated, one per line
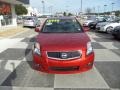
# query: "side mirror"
[37,29]
[86,29]
[104,20]
[38,25]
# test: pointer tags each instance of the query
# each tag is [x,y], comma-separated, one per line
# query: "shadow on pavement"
[28,52]
[9,80]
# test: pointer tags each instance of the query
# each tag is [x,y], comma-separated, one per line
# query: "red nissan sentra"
[62,47]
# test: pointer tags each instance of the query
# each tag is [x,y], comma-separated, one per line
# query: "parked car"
[116,32]
[107,26]
[92,25]
[19,20]
[100,26]
[86,23]
[30,21]
[62,46]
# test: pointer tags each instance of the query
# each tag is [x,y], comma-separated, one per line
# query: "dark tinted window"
[29,18]
[62,26]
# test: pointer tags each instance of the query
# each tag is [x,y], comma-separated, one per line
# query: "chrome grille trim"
[77,57]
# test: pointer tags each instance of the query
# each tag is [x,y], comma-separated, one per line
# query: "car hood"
[68,41]
[113,24]
[103,23]
[88,21]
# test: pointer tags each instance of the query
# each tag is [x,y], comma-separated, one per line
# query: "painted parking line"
[90,79]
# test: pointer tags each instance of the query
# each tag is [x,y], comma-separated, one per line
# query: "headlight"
[103,25]
[37,48]
[89,48]
[97,25]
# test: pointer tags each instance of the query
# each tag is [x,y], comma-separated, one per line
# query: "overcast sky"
[74,5]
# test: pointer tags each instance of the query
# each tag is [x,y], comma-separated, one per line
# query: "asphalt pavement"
[16,72]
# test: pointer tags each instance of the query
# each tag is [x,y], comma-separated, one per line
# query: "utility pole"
[43,4]
[67,9]
[105,9]
[94,11]
[112,6]
[81,5]
[98,10]
[50,9]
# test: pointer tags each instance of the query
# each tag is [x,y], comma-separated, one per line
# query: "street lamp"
[67,9]
[105,9]
[94,10]
[50,9]
[98,10]
[43,3]
[81,6]
[113,6]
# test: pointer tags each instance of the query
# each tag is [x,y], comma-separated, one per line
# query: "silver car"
[19,20]
[30,21]
[100,26]
[106,26]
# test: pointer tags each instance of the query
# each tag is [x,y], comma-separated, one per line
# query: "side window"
[104,20]
[38,23]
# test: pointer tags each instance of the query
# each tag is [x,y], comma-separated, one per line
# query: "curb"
[18,34]
[15,34]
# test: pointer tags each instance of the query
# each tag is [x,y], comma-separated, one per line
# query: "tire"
[118,36]
[108,29]
[115,36]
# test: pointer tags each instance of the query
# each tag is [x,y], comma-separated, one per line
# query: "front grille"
[64,55]
[73,68]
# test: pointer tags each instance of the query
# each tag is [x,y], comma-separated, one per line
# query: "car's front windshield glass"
[62,26]
[28,18]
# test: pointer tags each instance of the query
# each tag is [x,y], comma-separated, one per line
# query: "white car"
[87,22]
[109,27]
[30,21]
[100,26]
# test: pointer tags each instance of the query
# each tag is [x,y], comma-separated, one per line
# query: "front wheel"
[109,29]
[115,36]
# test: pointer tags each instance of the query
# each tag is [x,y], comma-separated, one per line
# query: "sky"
[75,5]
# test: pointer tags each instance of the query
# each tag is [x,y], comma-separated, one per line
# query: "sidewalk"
[5,36]
[12,32]
[7,43]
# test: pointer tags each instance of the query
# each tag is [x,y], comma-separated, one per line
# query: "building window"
[7,20]
[5,13]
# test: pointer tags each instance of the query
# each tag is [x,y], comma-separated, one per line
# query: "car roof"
[30,17]
[61,18]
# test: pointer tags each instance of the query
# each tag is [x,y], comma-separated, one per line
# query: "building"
[59,14]
[31,11]
[7,12]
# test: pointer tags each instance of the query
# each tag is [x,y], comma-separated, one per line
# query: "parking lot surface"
[16,62]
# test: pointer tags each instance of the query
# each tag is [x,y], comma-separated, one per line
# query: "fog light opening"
[90,64]
[37,65]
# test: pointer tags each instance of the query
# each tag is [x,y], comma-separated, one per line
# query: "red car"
[62,47]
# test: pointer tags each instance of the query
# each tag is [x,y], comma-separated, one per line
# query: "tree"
[20,10]
[64,14]
[117,13]
[70,14]
[88,10]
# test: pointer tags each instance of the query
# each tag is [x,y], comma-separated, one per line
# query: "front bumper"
[92,25]
[115,32]
[47,65]
[100,28]
[85,25]
[31,24]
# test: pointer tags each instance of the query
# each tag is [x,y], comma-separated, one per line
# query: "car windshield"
[28,18]
[62,26]
[100,19]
